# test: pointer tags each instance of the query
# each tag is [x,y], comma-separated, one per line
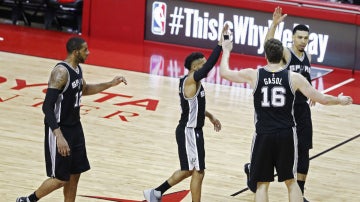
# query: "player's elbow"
[223,73]
[225,76]
[85,90]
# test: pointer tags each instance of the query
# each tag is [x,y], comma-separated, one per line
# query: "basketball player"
[189,134]
[65,152]
[298,60]
[275,139]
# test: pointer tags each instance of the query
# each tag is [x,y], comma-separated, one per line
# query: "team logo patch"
[75,83]
[158,20]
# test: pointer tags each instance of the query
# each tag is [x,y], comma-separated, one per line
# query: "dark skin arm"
[58,79]
[91,89]
[214,121]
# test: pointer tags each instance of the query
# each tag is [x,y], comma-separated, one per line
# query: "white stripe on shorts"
[52,149]
[191,148]
[295,152]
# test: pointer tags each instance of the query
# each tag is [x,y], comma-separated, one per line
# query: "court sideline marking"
[338,85]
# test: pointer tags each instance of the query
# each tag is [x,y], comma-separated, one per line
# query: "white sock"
[157,193]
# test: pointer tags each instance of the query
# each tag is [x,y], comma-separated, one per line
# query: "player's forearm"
[210,63]
[91,89]
[331,100]
[49,106]
[224,65]
[325,99]
[209,115]
[271,32]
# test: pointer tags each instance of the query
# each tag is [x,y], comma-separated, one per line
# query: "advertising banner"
[200,25]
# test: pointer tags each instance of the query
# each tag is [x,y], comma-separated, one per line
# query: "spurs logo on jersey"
[300,64]
[67,107]
[76,83]
[300,68]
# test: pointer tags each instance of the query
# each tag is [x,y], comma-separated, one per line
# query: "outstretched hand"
[216,123]
[61,143]
[224,31]
[118,79]
[227,44]
[345,100]
[278,17]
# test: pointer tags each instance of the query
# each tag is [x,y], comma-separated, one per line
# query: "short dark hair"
[191,58]
[74,43]
[274,50]
[300,27]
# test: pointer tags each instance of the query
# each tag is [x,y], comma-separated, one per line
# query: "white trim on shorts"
[191,149]
[52,150]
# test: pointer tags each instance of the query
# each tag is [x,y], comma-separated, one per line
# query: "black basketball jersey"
[273,101]
[192,109]
[67,106]
[300,65]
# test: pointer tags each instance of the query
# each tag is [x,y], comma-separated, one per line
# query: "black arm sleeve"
[49,106]
[211,61]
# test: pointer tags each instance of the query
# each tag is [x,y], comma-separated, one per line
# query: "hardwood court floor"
[131,143]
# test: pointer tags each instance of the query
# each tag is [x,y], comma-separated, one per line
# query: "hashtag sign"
[176,23]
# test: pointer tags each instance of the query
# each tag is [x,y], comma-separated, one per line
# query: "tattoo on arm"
[58,78]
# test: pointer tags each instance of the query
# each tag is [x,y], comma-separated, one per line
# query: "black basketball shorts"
[277,150]
[190,148]
[60,167]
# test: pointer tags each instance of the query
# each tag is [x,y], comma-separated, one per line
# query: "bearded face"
[82,54]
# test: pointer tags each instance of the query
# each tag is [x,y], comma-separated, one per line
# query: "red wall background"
[119,20]
[123,20]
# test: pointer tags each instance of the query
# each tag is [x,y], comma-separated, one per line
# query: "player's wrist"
[340,100]
[57,132]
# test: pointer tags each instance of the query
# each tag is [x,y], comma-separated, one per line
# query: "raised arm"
[278,17]
[245,75]
[209,64]
[211,61]
[191,83]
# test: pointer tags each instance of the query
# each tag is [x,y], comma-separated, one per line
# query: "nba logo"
[158,21]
